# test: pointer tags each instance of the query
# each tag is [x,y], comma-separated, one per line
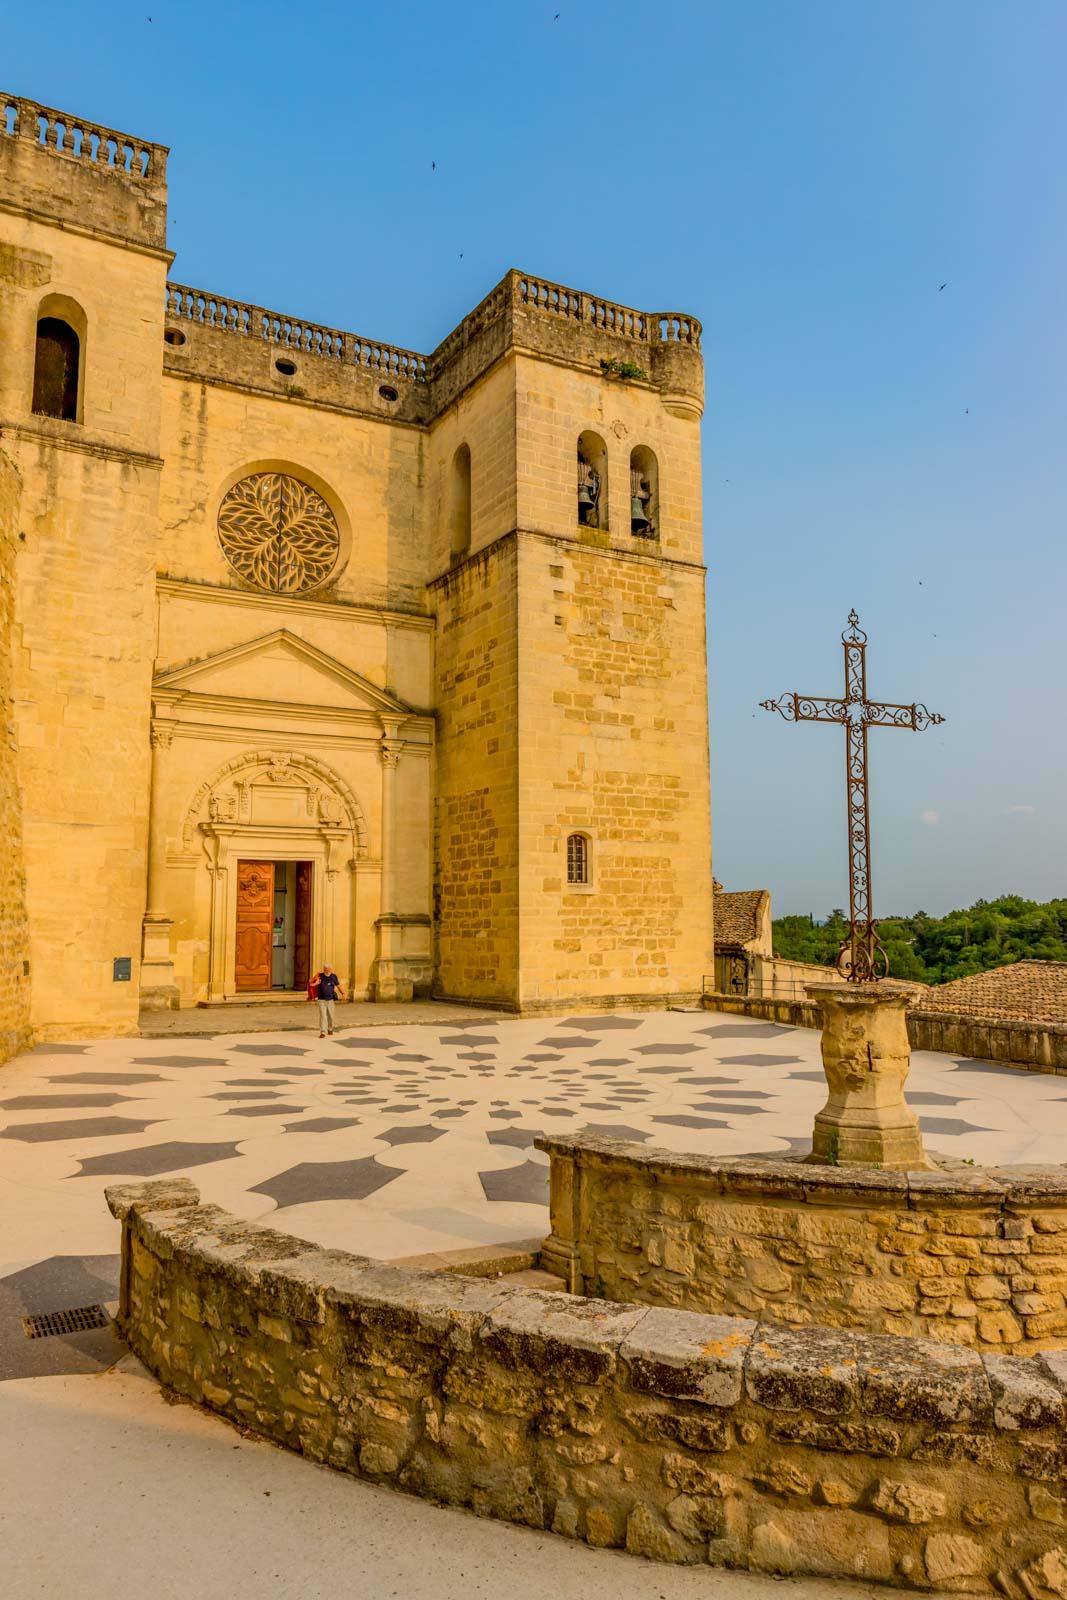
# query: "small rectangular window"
[577,858]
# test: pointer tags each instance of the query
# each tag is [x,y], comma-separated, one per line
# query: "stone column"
[866,1121]
[159,992]
[389,756]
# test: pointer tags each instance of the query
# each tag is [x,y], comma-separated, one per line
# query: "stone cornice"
[612,552]
[219,594]
[85,445]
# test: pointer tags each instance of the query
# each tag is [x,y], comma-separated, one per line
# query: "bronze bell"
[585,498]
[639,522]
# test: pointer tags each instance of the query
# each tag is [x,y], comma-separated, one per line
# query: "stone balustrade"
[516,292]
[677,1436]
[103,148]
[966,1255]
[291,333]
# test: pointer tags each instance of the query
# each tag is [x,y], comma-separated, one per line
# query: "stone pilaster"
[866,1121]
[159,992]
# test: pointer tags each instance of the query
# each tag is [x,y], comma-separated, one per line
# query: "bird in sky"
[943,286]
[433,166]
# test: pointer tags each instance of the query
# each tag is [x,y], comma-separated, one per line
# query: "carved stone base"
[403,969]
[866,1121]
[159,992]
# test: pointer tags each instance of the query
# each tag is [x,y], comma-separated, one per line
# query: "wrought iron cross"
[862,957]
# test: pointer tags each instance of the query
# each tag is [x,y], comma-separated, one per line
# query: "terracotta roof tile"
[737,916]
[1024,991]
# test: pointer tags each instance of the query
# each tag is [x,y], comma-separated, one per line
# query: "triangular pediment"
[282,669]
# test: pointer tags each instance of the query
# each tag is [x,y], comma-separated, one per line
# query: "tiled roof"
[1024,991]
[737,916]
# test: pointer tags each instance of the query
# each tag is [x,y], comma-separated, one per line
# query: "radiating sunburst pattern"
[278,533]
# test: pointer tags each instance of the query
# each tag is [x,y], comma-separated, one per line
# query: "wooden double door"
[256,912]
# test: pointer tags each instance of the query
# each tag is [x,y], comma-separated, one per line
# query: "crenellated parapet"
[77,172]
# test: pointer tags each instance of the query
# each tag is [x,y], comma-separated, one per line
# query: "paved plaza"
[390,1141]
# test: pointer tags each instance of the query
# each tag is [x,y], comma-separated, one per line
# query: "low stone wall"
[791,1013]
[1036,1046]
[968,1256]
[1033,1046]
[680,1437]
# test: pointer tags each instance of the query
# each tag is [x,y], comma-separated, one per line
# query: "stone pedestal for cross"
[866,1121]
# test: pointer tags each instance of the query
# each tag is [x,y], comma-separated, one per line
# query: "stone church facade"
[314,648]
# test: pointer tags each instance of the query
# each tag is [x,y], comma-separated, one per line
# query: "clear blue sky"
[803,176]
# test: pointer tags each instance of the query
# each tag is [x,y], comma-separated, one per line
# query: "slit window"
[55,370]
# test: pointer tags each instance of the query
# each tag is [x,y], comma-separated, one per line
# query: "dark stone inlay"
[369,1044]
[527,1184]
[182,1061]
[564,1041]
[735,1094]
[505,1116]
[422,1134]
[455,1111]
[262,1111]
[660,1071]
[609,1061]
[151,1160]
[322,1124]
[327,1180]
[759,1061]
[605,1021]
[518,1138]
[692,1122]
[950,1125]
[109,1077]
[472,1038]
[295,1072]
[61,1102]
[271,1049]
[924,1098]
[85,1128]
[58,1050]
[617,1130]
[557,1111]
[665,1049]
[247,1094]
[728,1109]
[412,1058]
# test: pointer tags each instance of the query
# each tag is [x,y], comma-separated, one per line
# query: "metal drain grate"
[46,1324]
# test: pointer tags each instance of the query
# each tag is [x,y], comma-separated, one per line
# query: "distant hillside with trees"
[988,934]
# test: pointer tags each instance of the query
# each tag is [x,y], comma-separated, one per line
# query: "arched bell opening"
[644,493]
[592,481]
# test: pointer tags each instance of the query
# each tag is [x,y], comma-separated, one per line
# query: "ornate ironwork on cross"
[862,957]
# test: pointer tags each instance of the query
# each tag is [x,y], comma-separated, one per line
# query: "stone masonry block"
[687,1356]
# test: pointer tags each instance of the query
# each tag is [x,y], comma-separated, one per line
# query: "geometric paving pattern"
[419,1138]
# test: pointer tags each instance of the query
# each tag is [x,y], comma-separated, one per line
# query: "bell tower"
[573,832]
[83,263]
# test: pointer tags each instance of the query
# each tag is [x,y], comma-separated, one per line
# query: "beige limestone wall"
[476,800]
[555,403]
[14,934]
[83,607]
[483,419]
[613,743]
[679,1437]
[965,1257]
[372,473]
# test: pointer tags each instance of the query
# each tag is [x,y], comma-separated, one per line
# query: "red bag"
[313,987]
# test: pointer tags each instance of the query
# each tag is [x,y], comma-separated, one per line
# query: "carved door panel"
[302,926]
[255,923]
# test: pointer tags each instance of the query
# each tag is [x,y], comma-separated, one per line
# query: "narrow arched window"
[577,858]
[459,508]
[592,481]
[644,493]
[55,370]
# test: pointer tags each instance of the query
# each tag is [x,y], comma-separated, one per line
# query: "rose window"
[278,533]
